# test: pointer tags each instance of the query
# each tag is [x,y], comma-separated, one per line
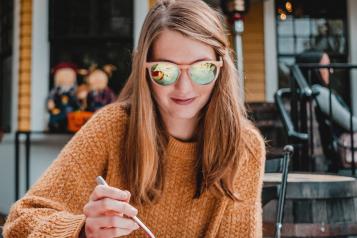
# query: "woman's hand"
[108,213]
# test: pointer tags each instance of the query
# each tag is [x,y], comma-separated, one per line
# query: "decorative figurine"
[99,93]
[82,94]
[62,98]
[78,118]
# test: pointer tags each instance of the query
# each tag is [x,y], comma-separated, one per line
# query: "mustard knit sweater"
[53,206]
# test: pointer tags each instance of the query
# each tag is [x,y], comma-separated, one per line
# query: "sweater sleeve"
[53,206]
[244,218]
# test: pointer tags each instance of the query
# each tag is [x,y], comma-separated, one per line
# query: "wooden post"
[24,95]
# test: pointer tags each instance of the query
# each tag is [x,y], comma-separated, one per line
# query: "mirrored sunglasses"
[167,73]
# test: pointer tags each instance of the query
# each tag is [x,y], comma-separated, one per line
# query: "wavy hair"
[221,121]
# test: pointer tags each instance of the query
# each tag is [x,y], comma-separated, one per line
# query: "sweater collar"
[180,148]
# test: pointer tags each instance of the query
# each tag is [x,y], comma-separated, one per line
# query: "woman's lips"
[181,101]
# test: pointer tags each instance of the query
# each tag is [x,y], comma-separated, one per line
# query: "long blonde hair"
[219,132]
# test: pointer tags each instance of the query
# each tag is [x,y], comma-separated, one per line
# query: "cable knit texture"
[53,206]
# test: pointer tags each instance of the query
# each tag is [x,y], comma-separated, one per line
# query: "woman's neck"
[181,128]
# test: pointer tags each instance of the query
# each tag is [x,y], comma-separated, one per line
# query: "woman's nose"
[184,83]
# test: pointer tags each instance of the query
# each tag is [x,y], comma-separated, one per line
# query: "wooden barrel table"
[316,205]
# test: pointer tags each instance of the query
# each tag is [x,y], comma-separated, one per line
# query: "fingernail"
[124,196]
[134,210]
[136,226]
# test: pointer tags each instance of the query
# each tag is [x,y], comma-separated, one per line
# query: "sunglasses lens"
[164,73]
[203,72]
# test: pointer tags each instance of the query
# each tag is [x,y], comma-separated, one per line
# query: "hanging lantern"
[234,8]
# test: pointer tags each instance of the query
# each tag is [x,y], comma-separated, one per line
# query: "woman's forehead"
[175,47]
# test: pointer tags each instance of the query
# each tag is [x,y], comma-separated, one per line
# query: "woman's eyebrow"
[171,61]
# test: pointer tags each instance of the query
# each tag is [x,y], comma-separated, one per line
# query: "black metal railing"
[27,144]
[295,138]
[299,122]
[287,122]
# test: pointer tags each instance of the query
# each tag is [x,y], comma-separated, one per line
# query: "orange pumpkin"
[77,119]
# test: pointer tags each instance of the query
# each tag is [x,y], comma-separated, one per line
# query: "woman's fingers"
[109,226]
[114,232]
[102,191]
[104,213]
[111,222]
[107,206]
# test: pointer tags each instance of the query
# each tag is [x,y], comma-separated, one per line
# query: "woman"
[319,80]
[177,139]
[331,112]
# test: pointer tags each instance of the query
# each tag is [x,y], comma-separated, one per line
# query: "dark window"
[6,43]
[319,24]
[92,31]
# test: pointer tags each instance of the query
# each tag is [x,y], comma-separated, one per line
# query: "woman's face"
[183,99]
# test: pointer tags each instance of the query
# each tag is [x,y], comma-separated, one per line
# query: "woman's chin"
[184,114]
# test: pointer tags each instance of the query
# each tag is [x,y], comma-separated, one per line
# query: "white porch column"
[270,51]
